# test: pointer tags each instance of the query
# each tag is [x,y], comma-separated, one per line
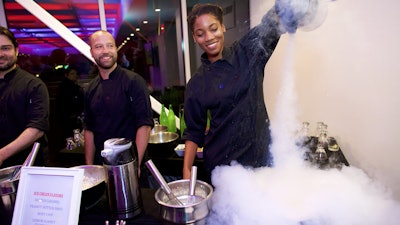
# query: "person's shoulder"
[126,71]
[22,72]
[129,75]
[198,80]
[92,83]
[94,80]
[26,76]
[23,80]
[196,76]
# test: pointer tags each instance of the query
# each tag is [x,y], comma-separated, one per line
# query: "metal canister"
[122,178]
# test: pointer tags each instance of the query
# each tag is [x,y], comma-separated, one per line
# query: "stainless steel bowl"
[163,137]
[191,211]
[159,128]
[93,185]
[8,191]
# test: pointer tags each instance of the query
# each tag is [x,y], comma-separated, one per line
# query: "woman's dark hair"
[6,32]
[201,9]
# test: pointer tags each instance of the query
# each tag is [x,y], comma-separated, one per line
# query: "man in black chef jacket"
[24,107]
[116,102]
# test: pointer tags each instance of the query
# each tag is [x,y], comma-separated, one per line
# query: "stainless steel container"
[8,191]
[122,179]
[93,186]
[163,137]
[162,144]
[159,128]
[193,211]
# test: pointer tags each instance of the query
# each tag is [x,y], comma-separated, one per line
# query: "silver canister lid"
[117,151]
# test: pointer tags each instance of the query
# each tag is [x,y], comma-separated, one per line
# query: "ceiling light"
[157,10]
[145,22]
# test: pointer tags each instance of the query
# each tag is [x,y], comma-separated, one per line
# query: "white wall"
[348,75]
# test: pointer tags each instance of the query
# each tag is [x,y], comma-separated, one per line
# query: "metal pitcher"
[122,178]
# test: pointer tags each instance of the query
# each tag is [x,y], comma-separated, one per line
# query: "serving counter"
[168,163]
[99,213]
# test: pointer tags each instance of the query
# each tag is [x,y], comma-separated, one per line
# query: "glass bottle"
[323,138]
[208,123]
[320,156]
[182,119]
[163,116]
[77,137]
[303,135]
[304,140]
[70,143]
[334,158]
[171,120]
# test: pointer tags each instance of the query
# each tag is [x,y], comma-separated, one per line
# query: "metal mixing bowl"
[93,185]
[159,128]
[8,191]
[163,137]
[190,212]
[162,144]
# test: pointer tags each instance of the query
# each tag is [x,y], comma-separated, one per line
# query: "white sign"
[48,196]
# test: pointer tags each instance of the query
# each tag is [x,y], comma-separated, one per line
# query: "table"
[99,213]
[169,165]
